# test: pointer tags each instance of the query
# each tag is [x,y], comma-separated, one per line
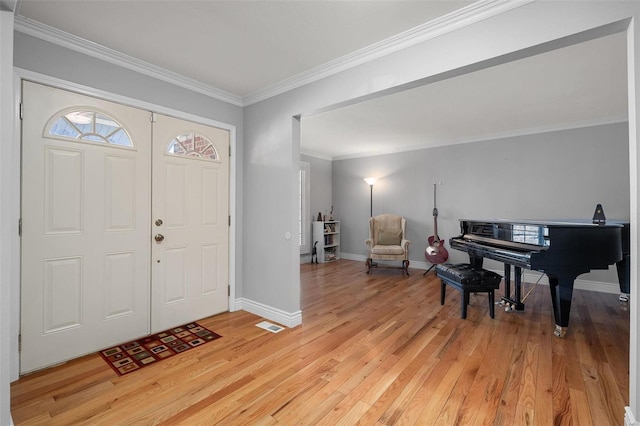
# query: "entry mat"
[134,355]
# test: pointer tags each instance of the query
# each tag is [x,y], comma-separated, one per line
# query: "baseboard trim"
[288,319]
[629,418]
[529,276]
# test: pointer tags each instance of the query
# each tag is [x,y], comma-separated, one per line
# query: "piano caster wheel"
[623,298]
[560,331]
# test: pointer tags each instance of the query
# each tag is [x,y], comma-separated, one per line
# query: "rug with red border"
[134,355]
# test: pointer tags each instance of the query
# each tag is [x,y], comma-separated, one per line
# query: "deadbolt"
[158,222]
[159,237]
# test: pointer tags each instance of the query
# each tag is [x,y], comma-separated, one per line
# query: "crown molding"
[468,15]
[78,44]
[315,154]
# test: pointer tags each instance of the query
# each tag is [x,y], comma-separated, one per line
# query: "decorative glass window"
[192,145]
[90,126]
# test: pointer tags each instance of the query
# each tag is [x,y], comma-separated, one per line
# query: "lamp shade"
[370,180]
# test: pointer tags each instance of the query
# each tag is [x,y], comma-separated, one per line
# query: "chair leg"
[442,291]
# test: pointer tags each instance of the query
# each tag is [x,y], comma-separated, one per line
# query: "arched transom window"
[192,145]
[89,125]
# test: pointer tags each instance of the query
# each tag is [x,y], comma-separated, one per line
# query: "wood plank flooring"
[374,349]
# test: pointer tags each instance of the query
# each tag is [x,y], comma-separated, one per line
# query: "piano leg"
[507,282]
[517,276]
[624,273]
[475,261]
[561,287]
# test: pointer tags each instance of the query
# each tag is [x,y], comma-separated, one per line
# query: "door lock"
[159,238]
[158,222]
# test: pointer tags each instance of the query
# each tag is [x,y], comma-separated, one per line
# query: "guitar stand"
[430,268]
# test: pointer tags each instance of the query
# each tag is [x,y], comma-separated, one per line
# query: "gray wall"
[555,175]
[320,191]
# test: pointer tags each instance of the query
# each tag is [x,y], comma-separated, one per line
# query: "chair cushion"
[387,250]
[389,237]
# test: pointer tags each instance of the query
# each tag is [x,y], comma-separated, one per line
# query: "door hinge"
[21,110]
[229,220]
[20,227]
[228,290]
[229,150]
[19,342]
[154,118]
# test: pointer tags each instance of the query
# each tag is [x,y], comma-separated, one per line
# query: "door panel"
[85,220]
[63,171]
[62,303]
[174,194]
[119,193]
[119,284]
[190,196]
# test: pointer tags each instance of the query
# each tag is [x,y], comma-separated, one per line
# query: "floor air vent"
[270,327]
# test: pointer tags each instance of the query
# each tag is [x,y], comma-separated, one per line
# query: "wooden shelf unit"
[327,234]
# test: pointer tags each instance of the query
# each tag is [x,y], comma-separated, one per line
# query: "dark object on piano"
[598,216]
[466,279]
[562,250]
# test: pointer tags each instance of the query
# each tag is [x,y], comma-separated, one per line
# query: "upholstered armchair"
[387,241]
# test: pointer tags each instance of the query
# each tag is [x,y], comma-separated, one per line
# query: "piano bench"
[466,279]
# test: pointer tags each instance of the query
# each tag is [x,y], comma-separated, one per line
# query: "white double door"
[124,224]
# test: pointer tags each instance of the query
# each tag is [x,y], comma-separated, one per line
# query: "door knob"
[159,237]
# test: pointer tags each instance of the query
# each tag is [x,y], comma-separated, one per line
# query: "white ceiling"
[580,85]
[237,46]
[244,48]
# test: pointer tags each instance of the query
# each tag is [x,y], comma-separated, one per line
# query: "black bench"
[466,279]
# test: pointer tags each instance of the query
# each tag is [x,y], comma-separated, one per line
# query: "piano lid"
[521,234]
[552,222]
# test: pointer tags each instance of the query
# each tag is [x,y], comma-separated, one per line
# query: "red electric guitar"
[436,253]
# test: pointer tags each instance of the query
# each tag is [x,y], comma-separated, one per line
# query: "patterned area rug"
[139,353]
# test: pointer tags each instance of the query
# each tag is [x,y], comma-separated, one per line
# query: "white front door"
[190,210]
[93,272]
[86,187]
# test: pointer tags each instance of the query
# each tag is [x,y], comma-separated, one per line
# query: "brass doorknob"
[159,237]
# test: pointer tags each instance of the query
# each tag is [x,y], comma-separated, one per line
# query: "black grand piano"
[563,250]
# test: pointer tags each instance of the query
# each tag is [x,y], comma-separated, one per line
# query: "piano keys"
[562,250]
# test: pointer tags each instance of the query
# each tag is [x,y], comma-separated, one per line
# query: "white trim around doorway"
[14,190]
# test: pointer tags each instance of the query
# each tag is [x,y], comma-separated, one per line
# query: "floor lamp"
[370,181]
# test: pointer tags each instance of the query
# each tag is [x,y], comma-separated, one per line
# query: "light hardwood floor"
[374,350]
